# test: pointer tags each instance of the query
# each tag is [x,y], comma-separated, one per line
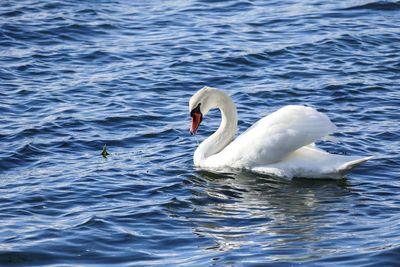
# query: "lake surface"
[76,75]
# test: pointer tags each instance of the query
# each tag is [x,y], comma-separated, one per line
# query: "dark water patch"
[16,258]
[100,56]
[378,5]
[89,11]
[14,13]
[75,30]
[54,6]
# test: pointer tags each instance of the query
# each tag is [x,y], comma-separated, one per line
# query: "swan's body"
[279,144]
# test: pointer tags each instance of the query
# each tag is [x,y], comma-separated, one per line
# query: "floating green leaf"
[104,152]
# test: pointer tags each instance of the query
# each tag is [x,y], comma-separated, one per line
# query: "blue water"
[75,75]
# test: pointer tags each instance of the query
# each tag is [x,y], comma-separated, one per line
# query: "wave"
[380,5]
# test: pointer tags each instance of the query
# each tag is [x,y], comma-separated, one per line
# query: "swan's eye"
[195,110]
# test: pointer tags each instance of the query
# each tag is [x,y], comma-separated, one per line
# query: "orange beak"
[197,117]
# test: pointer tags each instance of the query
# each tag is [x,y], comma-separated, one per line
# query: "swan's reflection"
[245,209]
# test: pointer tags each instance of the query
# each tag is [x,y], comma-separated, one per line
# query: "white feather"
[275,136]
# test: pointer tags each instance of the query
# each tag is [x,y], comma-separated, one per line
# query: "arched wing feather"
[275,136]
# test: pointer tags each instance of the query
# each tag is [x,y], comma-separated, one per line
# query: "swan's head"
[200,103]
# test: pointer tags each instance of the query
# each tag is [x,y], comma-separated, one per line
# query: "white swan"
[281,143]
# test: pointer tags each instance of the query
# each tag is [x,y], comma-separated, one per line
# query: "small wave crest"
[379,5]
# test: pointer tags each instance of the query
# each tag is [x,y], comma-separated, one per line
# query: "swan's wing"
[312,162]
[275,136]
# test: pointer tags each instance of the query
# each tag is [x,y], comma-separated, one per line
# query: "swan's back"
[273,137]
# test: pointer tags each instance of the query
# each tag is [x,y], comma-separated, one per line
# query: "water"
[76,75]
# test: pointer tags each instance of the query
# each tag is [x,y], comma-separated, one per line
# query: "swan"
[280,144]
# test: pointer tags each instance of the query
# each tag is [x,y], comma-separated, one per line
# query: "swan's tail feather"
[348,166]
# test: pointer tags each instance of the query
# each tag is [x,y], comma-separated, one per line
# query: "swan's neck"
[225,133]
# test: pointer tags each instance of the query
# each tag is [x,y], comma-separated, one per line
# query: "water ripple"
[78,75]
